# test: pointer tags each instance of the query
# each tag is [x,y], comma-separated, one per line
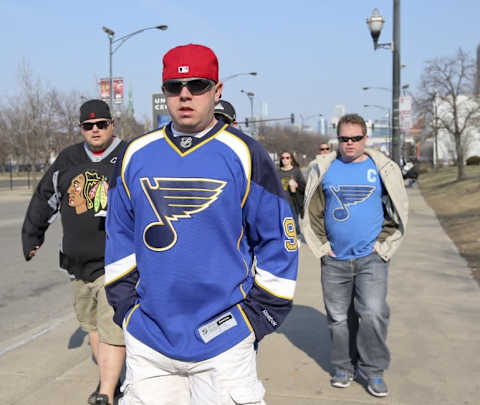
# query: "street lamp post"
[250,96]
[111,50]
[375,24]
[390,145]
[224,79]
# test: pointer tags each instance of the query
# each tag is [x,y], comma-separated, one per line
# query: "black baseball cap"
[95,108]
[225,112]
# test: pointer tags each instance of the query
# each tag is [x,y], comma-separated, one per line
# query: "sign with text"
[160,115]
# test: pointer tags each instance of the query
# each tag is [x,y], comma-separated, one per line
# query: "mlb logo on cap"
[183,69]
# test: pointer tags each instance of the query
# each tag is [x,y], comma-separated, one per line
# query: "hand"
[330,253]
[292,184]
[33,251]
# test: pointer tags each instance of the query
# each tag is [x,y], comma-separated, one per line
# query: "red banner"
[117,90]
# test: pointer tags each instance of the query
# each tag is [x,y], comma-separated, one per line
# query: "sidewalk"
[434,338]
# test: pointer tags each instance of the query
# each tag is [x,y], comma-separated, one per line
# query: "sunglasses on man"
[345,139]
[88,126]
[322,149]
[195,86]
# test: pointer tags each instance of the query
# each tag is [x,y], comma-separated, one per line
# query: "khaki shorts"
[94,312]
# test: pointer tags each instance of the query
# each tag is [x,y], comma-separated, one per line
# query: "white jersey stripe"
[135,146]
[241,150]
[280,287]
[118,269]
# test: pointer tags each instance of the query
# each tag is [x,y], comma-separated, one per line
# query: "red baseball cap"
[190,60]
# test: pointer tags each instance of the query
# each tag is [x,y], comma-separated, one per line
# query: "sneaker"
[377,387]
[341,379]
[93,396]
[101,399]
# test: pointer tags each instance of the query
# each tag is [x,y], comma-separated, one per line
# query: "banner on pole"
[104,89]
[118,89]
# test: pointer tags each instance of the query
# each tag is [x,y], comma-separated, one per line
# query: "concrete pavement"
[434,338]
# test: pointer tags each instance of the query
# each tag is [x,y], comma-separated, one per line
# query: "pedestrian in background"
[201,248]
[76,184]
[324,149]
[225,112]
[355,218]
[293,183]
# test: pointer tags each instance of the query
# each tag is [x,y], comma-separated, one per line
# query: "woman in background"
[293,183]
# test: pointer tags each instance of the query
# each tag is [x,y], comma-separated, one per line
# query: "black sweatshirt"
[76,185]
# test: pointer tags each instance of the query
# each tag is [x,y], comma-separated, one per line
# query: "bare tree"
[446,99]
[278,139]
[68,131]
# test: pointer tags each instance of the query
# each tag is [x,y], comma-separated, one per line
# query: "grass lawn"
[457,205]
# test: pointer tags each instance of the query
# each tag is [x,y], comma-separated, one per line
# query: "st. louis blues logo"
[349,195]
[172,199]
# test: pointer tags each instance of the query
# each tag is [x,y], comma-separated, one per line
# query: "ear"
[218,91]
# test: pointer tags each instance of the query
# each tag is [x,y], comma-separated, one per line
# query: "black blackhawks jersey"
[76,185]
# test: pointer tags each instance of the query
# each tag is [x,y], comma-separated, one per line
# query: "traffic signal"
[246,122]
[292,118]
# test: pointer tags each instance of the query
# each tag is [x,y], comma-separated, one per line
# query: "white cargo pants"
[227,379]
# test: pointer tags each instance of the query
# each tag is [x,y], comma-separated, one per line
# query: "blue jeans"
[357,287]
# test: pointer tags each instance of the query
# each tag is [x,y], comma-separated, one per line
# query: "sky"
[309,55]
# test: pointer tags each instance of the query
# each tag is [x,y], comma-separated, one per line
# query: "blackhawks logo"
[88,191]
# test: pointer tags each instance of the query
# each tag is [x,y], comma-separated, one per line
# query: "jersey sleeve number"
[291,243]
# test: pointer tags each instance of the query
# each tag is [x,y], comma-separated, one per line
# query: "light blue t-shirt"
[353,207]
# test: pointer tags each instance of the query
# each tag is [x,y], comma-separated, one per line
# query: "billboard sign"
[160,115]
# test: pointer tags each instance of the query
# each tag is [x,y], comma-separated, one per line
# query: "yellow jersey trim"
[249,178]
[245,318]
[130,315]
[182,154]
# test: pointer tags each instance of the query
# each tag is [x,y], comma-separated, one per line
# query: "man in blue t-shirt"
[355,216]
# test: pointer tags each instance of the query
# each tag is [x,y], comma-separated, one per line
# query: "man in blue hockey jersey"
[193,205]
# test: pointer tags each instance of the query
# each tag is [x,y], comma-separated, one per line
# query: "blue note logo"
[349,195]
[172,199]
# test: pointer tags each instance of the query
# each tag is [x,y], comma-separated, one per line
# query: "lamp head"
[375,24]
[162,27]
[108,31]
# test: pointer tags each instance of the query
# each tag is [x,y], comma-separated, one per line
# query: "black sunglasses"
[324,148]
[194,86]
[345,139]
[88,126]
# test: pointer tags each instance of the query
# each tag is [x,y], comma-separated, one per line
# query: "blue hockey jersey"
[201,246]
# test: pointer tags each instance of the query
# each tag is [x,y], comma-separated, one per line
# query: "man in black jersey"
[76,185]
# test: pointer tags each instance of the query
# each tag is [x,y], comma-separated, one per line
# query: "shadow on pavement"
[77,338]
[307,329]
